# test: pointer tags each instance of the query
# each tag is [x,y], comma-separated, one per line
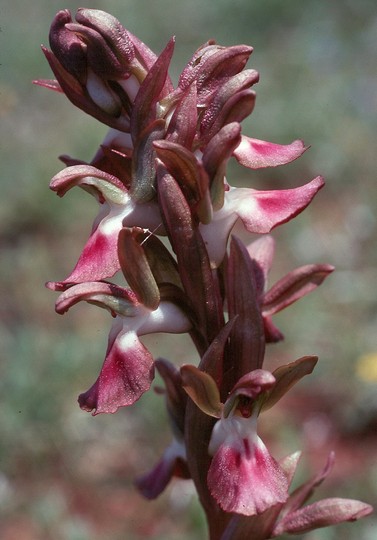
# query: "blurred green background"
[65,475]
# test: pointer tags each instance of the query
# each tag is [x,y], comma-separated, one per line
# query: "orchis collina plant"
[160,174]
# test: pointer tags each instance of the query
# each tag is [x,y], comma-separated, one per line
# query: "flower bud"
[98,53]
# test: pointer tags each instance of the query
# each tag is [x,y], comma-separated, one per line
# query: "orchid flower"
[243,476]
[99,258]
[128,368]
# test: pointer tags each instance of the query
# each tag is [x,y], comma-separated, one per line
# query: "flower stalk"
[165,222]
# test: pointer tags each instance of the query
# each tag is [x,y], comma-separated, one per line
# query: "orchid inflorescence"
[166,214]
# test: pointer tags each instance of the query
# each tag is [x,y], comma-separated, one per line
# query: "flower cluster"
[166,214]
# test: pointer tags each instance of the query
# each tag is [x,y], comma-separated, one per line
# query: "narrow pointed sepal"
[152,89]
[294,286]
[172,464]
[176,398]
[322,513]
[287,376]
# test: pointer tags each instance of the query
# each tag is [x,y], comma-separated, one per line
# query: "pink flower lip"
[243,477]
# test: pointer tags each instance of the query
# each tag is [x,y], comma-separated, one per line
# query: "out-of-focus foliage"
[67,476]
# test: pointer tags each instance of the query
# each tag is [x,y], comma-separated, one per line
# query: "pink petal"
[245,478]
[126,374]
[261,211]
[99,258]
[256,154]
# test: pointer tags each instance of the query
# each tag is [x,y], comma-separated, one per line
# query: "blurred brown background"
[65,475]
